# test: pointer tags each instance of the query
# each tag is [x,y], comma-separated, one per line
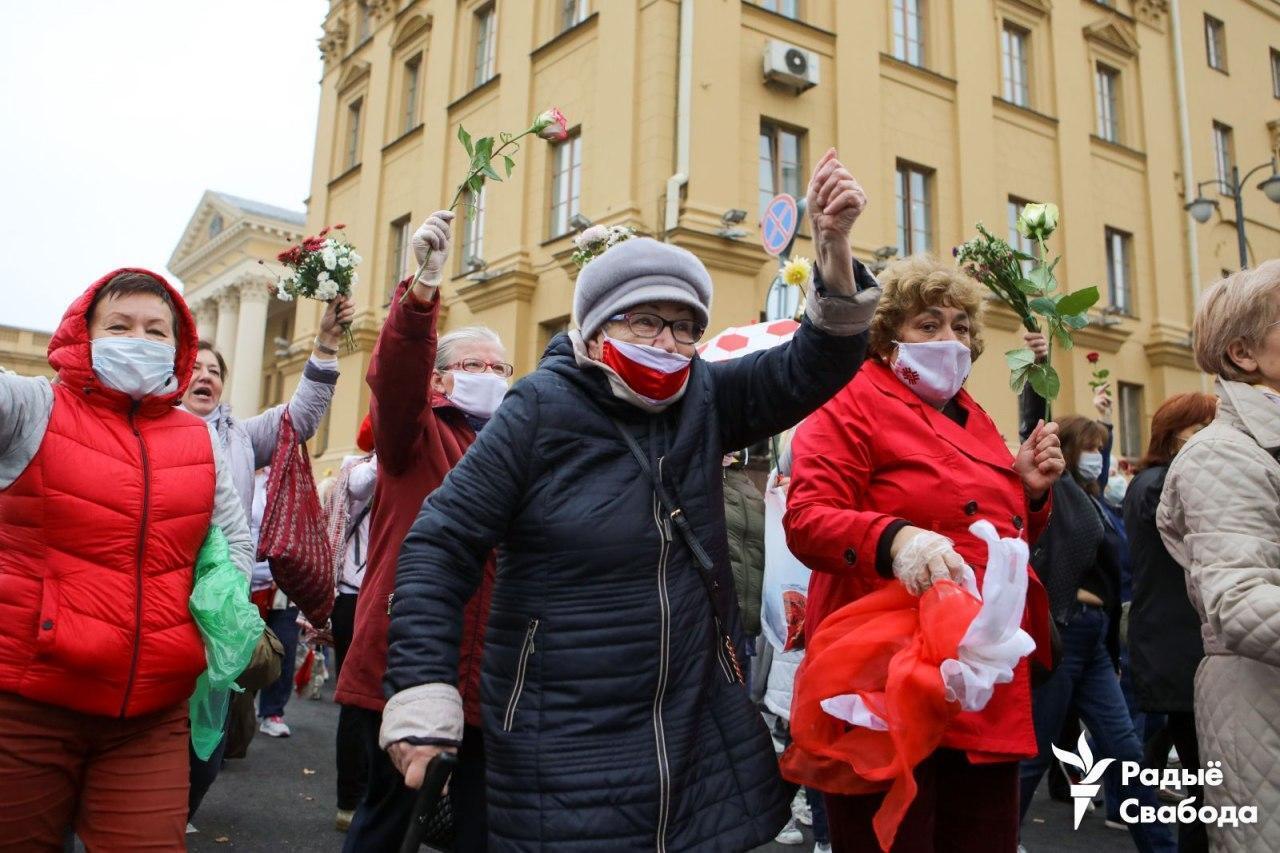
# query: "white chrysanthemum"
[282,293]
[344,262]
[355,259]
[326,290]
[330,258]
[323,277]
[355,279]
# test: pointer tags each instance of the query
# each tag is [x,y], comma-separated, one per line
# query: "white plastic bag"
[785,577]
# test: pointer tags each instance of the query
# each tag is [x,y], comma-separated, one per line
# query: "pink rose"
[551,126]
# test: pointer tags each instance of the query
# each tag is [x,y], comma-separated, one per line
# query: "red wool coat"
[876,453]
[420,437]
[99,537]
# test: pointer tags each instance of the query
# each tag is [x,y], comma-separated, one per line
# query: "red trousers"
[120,784]
[959,808]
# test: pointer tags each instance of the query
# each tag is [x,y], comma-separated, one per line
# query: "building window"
[1107,84]
[1215,42]
[1275,72]
[1014,41]
[412,88]
[398,256]
[215,225]
[351,154]
[1131,419]
[914,209]
[472,254]
[1120,270]
[362,21]
[566,183]
[1224,154]
[548,329]
[781,166]
[908,31]
[1023,244]
[572,13]
[790,8]
[486,26]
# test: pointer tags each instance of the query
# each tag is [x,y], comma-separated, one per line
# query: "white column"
[228,316]
[206,313]
[251,337]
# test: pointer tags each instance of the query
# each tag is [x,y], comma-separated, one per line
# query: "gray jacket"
[25,407]
[249,443]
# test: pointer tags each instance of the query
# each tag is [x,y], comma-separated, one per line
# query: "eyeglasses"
[647,327]
[477,365]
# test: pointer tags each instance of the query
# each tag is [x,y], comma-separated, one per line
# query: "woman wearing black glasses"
[611,697]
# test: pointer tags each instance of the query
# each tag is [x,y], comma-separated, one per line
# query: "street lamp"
[1201,208]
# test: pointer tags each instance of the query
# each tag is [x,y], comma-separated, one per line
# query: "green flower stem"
[457,197]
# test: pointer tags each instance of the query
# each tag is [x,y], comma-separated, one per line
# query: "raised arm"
[441,565]
[228,511]
[25,405]
[405,355]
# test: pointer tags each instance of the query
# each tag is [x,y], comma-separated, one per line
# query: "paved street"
[281,798]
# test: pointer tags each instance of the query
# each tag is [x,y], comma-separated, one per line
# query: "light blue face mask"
[1115,491]
[1090,465]
[134,366]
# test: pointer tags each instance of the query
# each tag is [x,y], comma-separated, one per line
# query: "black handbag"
[432,819]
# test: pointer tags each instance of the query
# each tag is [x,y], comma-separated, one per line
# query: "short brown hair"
[919,282]
[1075,432]
[205,346]
[1241,307]
[1174,415]
[127,283]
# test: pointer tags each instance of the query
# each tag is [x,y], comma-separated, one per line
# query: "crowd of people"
[560,581]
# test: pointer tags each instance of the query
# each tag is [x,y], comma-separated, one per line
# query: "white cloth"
[261,569]
[783,573]
[360,485]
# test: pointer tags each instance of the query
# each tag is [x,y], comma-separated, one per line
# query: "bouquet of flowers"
[322,267]
[550,125]
[1027,285]
[592,242]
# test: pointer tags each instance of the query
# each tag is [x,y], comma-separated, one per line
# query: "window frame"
[572,13]
[1109,110]
[904,202]
[1120,293]
[1008,84]
[774,131]
[901,11]
[353,132]
[398,252]
[1275,72]
[472,243]
[776,6]
[411,91]
[1130,405]
[1224,155]
[484,43]
[572,203]
[1215,43]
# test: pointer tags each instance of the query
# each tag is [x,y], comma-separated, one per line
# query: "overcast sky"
[117,116]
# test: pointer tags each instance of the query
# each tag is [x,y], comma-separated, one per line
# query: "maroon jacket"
[420,437]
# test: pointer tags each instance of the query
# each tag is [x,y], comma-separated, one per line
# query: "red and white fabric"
[737,341]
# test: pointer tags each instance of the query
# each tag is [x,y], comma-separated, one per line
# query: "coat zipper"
[142,540]
[664,644]
[522,669]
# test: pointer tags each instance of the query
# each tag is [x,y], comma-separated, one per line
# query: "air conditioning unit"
[788,65]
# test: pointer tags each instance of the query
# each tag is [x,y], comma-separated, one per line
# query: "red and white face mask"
[653,373]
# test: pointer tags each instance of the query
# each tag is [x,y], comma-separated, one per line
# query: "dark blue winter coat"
[611,723]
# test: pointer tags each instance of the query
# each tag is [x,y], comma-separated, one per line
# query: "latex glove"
[928,557]
[431,244]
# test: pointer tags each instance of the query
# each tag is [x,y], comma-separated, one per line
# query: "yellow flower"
[798,272]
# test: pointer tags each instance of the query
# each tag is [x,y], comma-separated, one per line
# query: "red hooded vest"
[99,536]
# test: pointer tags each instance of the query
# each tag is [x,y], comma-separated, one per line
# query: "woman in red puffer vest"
[106,495]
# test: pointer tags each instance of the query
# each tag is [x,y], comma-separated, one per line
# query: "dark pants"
[1111,786]
[275,696]
[821,834]
[1180,728]
[204,772]
[1086,680]
[959,807]
[383,816]
[352,762]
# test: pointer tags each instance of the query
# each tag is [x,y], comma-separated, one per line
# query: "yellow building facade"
[25,351]
[685,114]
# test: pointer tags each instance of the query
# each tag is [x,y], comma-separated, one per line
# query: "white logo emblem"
[1089,785]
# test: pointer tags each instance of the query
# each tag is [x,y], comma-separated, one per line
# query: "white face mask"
[1090,465]
[935,370]
[1115,490]
[477,394]
[134,366]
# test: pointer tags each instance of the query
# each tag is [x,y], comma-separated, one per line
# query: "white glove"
[434,236]
[929,557]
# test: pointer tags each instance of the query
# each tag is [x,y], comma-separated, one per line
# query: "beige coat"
[1220,517]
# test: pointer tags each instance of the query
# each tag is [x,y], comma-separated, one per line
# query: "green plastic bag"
[230,625]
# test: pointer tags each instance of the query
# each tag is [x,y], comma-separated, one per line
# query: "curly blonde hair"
[918,282]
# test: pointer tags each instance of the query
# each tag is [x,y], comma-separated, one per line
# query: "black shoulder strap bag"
[706,568]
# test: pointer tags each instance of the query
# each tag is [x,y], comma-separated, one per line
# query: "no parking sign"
[778,225]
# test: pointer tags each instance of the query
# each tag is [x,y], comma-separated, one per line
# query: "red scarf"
[655,374]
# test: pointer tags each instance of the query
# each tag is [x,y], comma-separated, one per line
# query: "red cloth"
[885,647]
[420,437]
[875,453]
[364,438]
[99,537]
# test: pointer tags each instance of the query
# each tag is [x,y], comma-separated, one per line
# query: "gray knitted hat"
[637,271]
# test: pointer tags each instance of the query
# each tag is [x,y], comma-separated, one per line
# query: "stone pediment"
[218,215]
[1118,35]
[355,72]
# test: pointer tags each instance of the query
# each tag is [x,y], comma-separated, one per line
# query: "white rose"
[355,259]
[344,262]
